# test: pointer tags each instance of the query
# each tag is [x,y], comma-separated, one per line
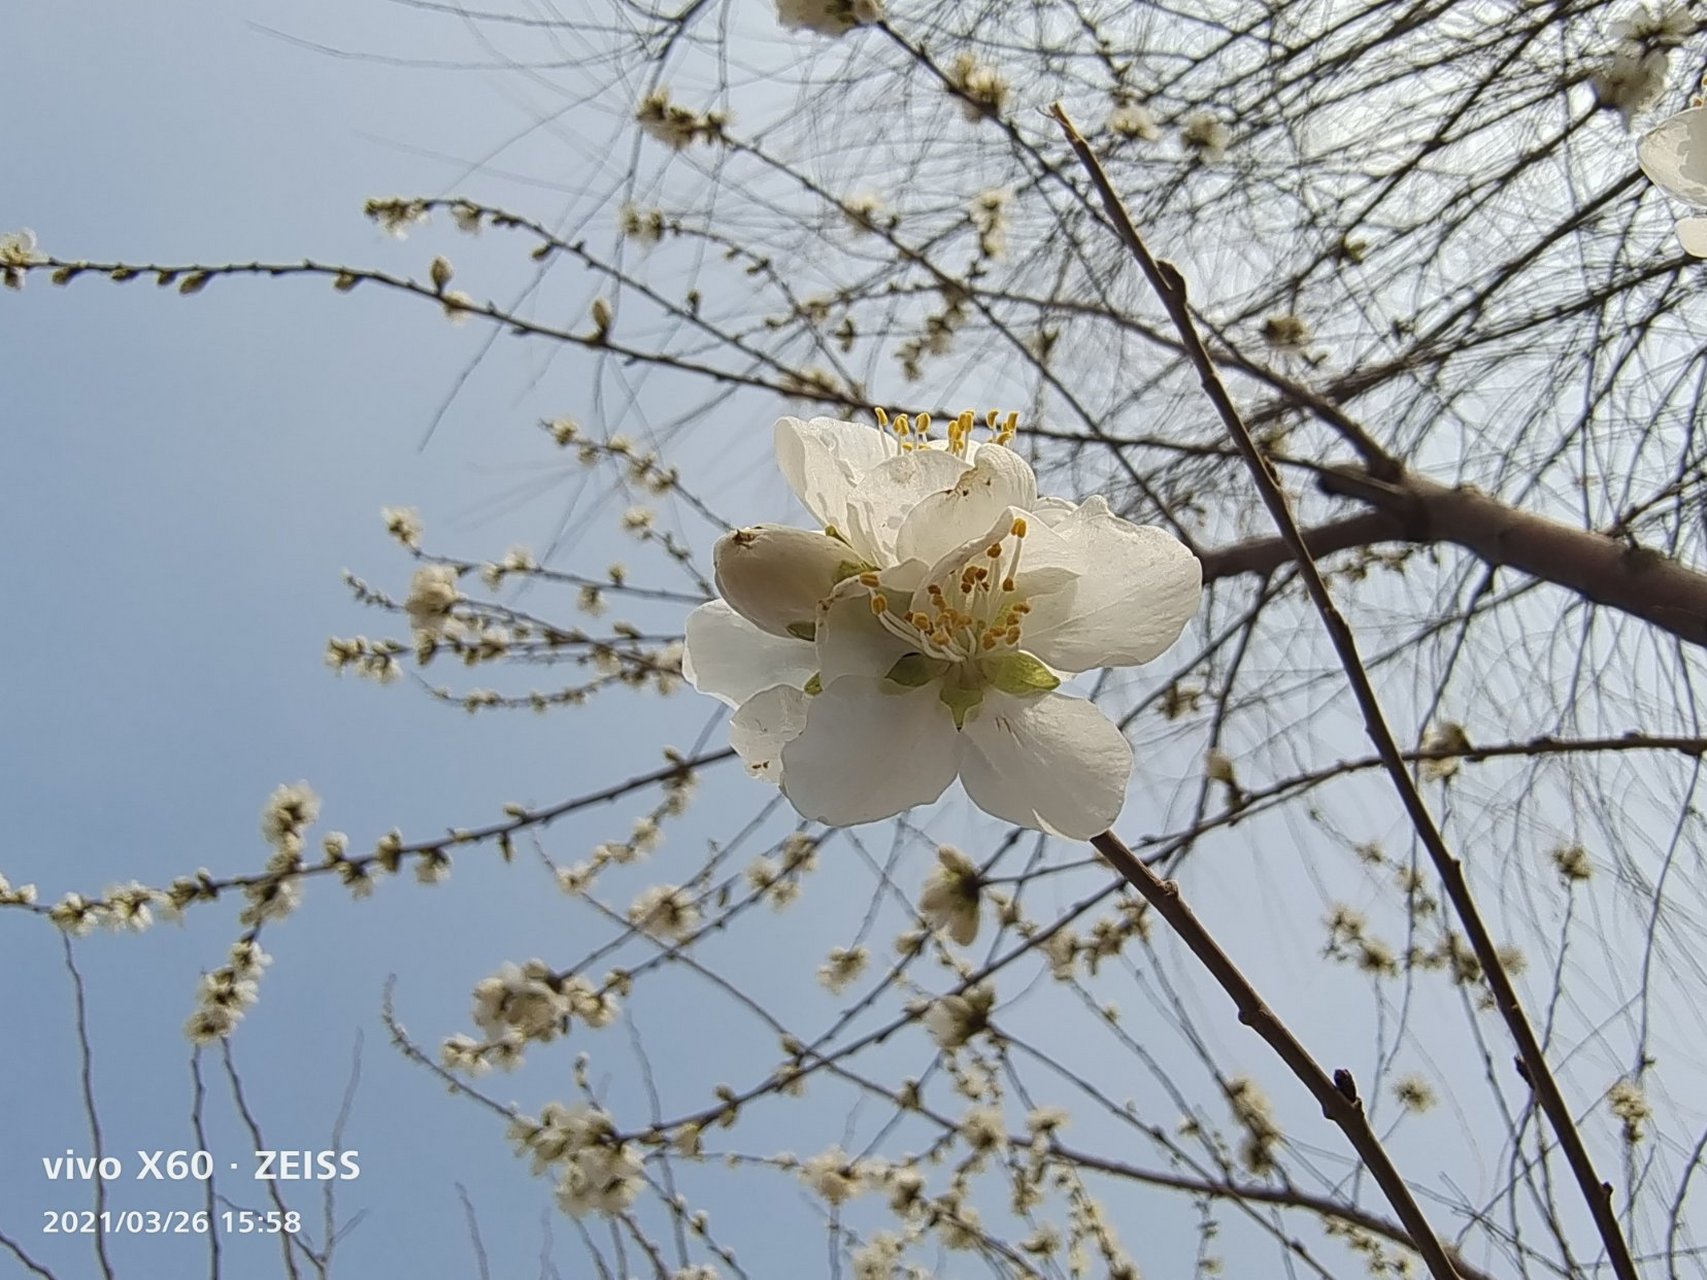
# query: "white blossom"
[1674,156]
[951,895]
[976,597]
[827,17]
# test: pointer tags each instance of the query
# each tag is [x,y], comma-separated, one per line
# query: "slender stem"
[1337,1094]
[1170,287]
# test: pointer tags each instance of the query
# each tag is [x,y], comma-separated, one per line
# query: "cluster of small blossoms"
[528,1003]
[865,211]
[1133,120]
[980,87]
[667,912]
[828,17]
[954,1020]
[289,812]
[643,226]
[1380,1258]
[951,896]
[1414,1093]
[1286,333]
[1634,74]
[17,251]
[842,968]
[1572,863]
[1449,739]
[396,214]
[988,213]
[1630,1105]
[227,993]
[645,836]
[676,126]
[939,330]
[778,880]
[1453,955]
[1350,942]
[371,659]
[23,895]
[599,1173]
[1205,136]
[1255,1116]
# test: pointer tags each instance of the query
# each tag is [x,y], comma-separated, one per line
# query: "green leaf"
[1020,674]
[915,669]
[960,701]
[814,686]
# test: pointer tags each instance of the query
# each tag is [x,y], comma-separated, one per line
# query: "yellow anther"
[1007,584]
[990,640]
[1010,428]
[1022,607]
[1019,527]
[879,603]
[994,550]
[868,579]
[1013,635]
[882,418]
[922,424]
[990,416]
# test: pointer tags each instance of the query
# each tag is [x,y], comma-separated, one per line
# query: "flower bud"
[774,576]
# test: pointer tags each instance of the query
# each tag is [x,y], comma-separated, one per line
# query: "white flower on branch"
[1674,156]
[963,599]
[827,17]
[951,895]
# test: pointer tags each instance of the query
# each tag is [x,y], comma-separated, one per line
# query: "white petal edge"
[1692,235]
[870,751]
[1674,155]
[824,458]
[941,521]
[731,659]
[1052,763]
[881,501]
[763,725]
[1138,587]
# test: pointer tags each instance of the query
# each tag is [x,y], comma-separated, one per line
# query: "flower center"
[968,634]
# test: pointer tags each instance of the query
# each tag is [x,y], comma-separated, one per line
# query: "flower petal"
[941,521]
[763,725]
[869,751]
[1692,235]
[1137,588]
[824,459]
[774,576]
[731,659]
[880,502]
[1674,155]
[1051,763]
[851,639]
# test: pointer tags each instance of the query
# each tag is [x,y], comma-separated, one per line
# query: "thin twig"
[1339,1101]
[1170,287]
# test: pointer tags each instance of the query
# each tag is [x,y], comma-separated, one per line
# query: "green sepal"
[803,630]
[852,569]
[915,669]
[1020,674]
[960,701]
[814,686]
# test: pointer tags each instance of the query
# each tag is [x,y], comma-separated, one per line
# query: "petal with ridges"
[1674,155]
[880,502]
[869,751]
[1052,763]
[731,659]
[1137,589]
[763,725]
[941,521]
[824,459]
